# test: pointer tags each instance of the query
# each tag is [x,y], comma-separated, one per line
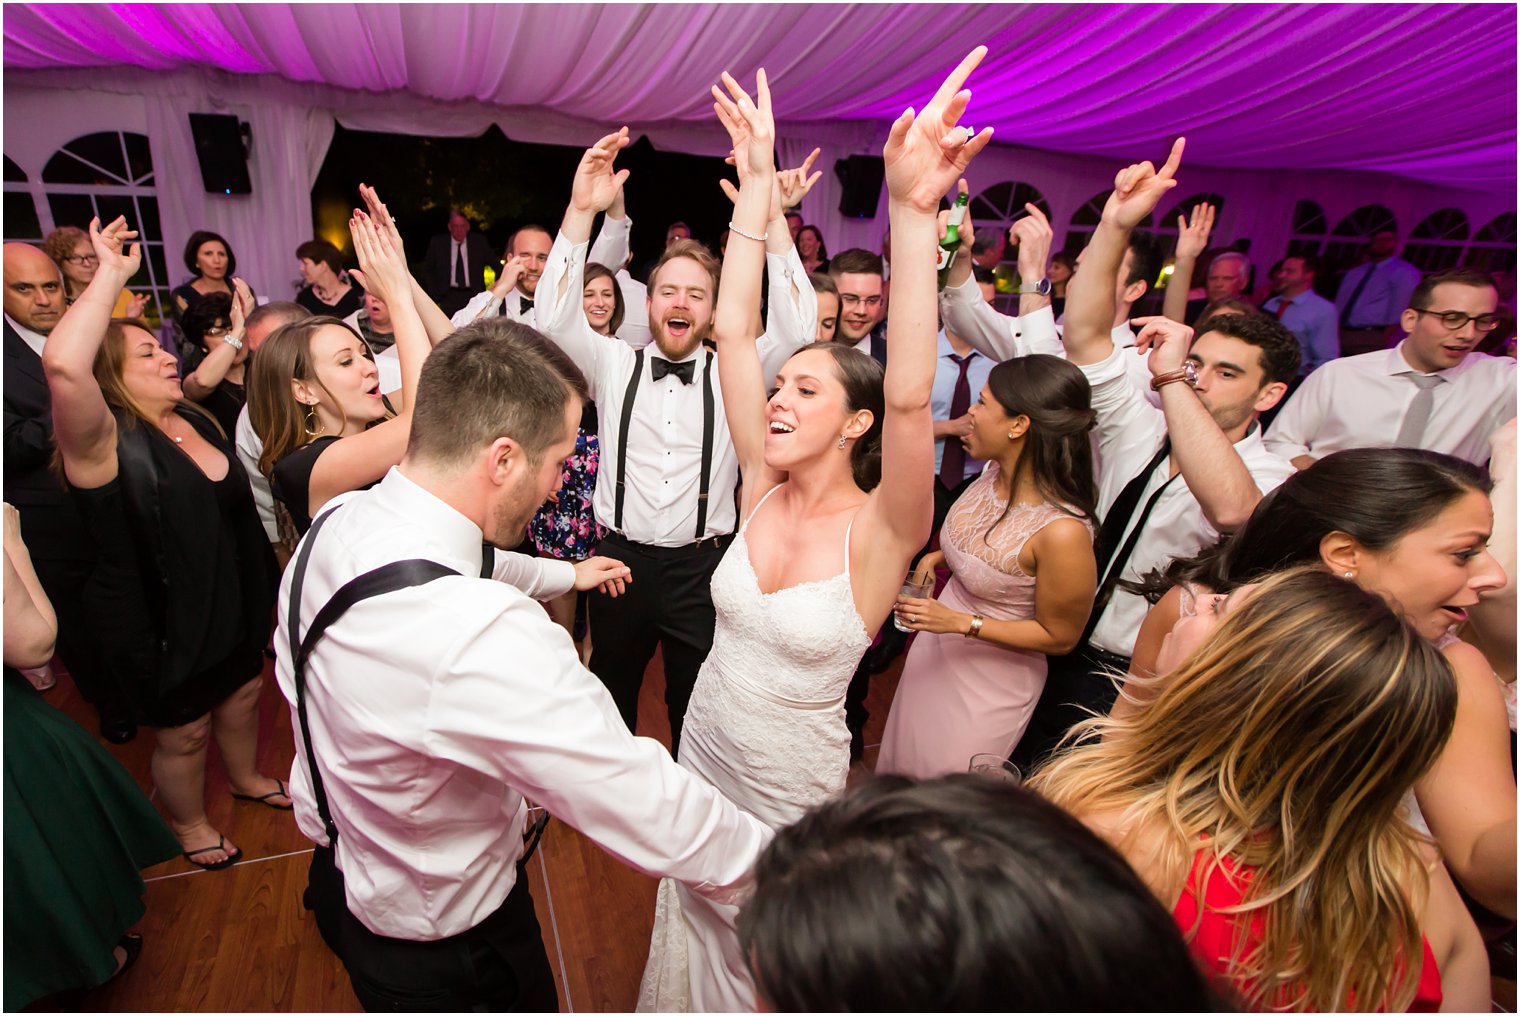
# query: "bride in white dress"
[838,471]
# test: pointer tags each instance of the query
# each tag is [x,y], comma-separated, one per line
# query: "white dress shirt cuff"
[479,304]
[611,246]
[540,578]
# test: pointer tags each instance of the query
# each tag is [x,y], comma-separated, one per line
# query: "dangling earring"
[312,417]
[841,442]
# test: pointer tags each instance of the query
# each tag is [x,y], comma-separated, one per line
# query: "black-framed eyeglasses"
[82,259]
[1455,319]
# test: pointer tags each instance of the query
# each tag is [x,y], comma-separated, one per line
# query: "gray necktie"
[1412,430]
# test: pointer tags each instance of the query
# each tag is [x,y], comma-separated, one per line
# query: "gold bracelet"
[975,631]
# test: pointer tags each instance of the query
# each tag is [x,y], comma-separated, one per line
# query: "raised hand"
[242,306]
[137,305]
[110,247]
[1138,189]
[1193,237]
[512,269]
[1034,236]
[596,183]
[1167,340]
[382,266]
[749,123]
[381,215]
[926,153]
[795,183]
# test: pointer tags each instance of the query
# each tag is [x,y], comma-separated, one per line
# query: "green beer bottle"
[952,241]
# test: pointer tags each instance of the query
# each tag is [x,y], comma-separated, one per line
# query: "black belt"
[1107,659]
[707,545]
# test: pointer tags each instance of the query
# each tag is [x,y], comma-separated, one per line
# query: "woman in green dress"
[78,829]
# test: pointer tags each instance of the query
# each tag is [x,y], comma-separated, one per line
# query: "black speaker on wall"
[860,180]
[221,147]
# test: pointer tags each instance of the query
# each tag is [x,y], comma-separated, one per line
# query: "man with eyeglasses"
[862,308]
[1431,391]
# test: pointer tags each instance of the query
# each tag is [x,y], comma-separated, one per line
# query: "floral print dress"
[566,529]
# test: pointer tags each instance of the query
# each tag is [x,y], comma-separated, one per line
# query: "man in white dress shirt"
[665,487]
[1170,480]
[516,286]
[260,325]
[858,274]
[1002,337]
[1431,391]
[427,714]
[1372,295]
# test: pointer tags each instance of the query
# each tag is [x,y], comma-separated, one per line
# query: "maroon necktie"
[952,464]
[1282,305]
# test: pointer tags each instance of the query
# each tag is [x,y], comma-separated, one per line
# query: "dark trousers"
[497,966]
[668,605]
[1078,685]
[64,558]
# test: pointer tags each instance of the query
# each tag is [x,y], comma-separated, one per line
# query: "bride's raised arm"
[925,155]
[757,205]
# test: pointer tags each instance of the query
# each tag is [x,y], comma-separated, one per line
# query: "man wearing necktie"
[455,264]
[665,490]
[1309,317]
[1431,391]
[1373,294]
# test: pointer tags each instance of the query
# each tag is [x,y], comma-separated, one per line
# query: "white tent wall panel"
[292,127]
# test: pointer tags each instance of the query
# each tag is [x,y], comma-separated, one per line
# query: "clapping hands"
[926,153]
[382,264]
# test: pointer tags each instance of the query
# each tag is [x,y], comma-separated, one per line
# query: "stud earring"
[841,442]
[1350,575]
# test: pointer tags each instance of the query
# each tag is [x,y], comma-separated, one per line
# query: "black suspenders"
[709,423]
[386,579]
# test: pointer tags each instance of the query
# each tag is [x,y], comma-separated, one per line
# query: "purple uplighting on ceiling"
[1422,91]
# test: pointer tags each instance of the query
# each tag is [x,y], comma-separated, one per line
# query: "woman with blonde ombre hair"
[1259,795]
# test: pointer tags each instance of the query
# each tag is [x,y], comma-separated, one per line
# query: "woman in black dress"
[326,291]
[312,384]
[183,588]
[209,258]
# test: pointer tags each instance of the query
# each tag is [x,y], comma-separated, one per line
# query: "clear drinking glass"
[997,767]
[918,591]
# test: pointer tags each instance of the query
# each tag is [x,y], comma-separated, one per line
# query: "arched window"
[1085,222]
[1438,241]
[20,210]
[1349,238]
[995,209]
[1493,246]
[1309,228]
[106,175]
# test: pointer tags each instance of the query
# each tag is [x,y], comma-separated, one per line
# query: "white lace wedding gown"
[766,727]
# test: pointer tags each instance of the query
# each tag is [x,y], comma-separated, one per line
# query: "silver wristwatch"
[1041,288]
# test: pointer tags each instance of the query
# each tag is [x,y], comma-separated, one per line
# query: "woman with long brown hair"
[182,589]
[1260,795]
[1018,544]
[313,383]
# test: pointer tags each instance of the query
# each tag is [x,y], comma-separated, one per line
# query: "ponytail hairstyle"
[863,380]
[1057,452]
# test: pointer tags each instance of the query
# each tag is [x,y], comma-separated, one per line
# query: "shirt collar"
[446,530]
[25,332]
[1123,335]
[945,349]
[1395,364]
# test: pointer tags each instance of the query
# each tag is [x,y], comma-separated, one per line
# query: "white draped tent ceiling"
[1412,106]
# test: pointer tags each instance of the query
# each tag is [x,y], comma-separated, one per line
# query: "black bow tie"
[524,304]
[685,370]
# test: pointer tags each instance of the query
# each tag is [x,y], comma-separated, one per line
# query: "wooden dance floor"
[239,940]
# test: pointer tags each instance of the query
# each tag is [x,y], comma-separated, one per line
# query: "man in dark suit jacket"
[454,269]
[55,536]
